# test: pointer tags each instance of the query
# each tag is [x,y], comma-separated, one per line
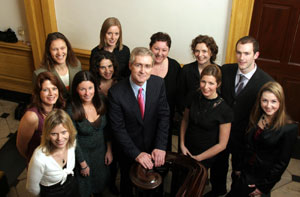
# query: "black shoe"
[114,190]
[214,193]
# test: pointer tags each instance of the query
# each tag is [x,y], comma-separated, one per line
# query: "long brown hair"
[78,113]
[280,117]
[48,62]
[36,99]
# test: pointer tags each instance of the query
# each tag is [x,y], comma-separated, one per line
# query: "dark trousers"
[219,170]
[240,188]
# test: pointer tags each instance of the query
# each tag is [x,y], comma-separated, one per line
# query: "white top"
[247,76]
[65,79]
[46,171]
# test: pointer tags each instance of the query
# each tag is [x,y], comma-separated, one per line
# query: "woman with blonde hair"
[269,144]
[111,40]
[50,171]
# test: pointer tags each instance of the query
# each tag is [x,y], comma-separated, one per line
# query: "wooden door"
[276,25]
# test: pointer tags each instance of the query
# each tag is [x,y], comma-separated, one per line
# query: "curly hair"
[209,42]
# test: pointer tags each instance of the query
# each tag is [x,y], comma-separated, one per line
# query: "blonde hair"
[54,118]
[109,22]
[280,117]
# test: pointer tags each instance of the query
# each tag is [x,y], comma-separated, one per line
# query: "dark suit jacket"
[267,157]
[241,104]
[133,134]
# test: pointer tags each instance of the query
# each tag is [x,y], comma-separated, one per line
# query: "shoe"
[114,190]
[214,193]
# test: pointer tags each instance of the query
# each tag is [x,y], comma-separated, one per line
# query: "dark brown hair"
[96,63]
[209,42]
[36,99]
[160,36]
[249,39]
[78,113]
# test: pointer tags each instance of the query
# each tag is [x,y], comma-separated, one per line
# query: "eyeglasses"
[145,66]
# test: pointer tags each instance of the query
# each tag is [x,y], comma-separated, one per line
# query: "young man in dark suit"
[139,117]
[240,85]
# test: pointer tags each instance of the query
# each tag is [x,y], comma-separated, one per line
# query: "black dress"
[122,57]
[189,81]
[205,117]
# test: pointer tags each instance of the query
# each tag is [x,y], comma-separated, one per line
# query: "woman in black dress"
[168,69]
[206,122]
[205,51]
[111,40]
[269,144]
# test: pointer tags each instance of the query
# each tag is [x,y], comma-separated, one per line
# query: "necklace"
[63,161]
[264,121]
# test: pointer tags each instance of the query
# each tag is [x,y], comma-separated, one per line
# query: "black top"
[122,57]
[171,84]
[205,117]
[267,156]
[189,81]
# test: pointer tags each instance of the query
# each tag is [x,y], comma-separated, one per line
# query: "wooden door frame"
[241,14]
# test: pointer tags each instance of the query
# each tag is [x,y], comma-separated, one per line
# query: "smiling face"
[86,91]
[106,69]
[49,93]
[112,36]
[202,54]
[269,103]
[246,57]
[160,50]
[141,69]
[59,136]
[208,86]
[59,51]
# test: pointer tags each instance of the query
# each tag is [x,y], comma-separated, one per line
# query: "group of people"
[82,125]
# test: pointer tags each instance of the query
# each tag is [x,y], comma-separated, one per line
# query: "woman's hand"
[184,150]
[85,169]
[256,192]
[108,157]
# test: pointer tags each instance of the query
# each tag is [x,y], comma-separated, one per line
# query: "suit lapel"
[134,103]
[232,82]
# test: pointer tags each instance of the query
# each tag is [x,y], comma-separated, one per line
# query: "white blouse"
[46,171]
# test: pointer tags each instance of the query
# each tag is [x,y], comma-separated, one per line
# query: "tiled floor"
[288,186]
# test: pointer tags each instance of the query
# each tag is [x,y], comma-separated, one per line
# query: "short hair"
[249,39]
[109,22]
[48,62]
[78,113]
[96,62]
[160,36]
[140,51]
[36,99]
[209,42]
[214,71]
[55,118]
[280,117]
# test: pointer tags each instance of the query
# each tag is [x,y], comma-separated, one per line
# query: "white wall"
[183,20]
[12,15]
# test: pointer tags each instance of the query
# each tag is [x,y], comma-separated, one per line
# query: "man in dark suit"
[139,117]
[240,85]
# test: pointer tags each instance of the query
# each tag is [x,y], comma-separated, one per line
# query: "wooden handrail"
[193,185]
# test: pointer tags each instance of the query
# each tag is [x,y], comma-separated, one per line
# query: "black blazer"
[133,134]
[266,158]
[241,104]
